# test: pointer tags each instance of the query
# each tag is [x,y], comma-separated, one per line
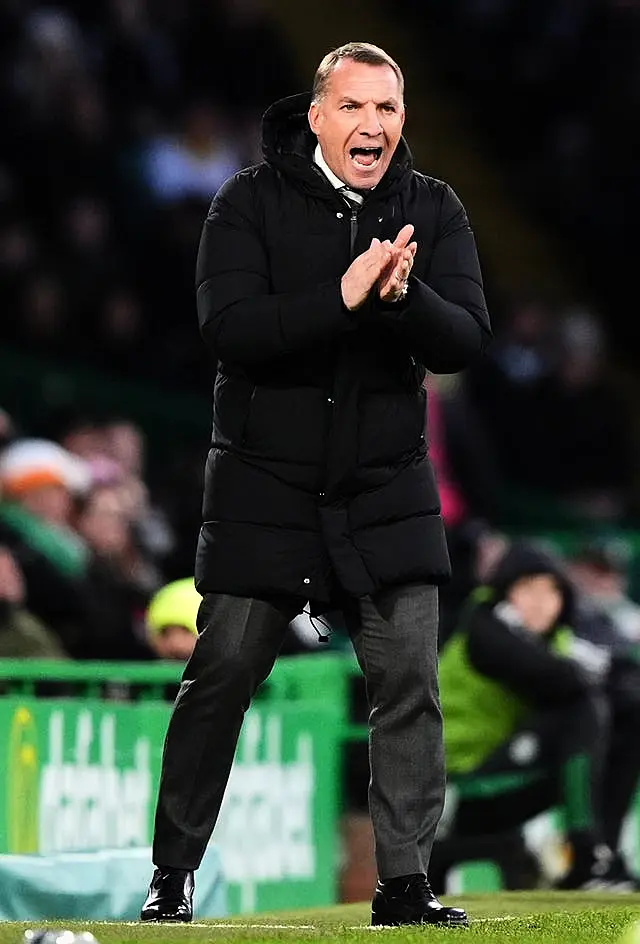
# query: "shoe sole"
[167,920]
[452,923]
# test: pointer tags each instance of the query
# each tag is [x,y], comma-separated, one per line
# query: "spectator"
[21,634]
[504,390]
[599,571]
[118,579]
[125,444]
[40,478]
[38,482]
[195,162]
[524,707]
[579,412]
[171,620]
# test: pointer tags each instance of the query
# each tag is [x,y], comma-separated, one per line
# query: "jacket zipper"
[353,229]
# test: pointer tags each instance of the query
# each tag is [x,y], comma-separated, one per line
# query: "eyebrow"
[346,99]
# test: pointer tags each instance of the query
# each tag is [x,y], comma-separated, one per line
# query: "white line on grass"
[264,926]
[212,924]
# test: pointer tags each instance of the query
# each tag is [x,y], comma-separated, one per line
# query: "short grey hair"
[357,52]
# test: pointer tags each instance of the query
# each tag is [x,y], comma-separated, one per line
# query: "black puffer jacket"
[318,472]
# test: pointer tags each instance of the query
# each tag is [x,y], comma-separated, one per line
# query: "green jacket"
[22,636]
[480,713]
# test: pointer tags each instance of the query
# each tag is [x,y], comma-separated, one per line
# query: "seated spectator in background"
[599,571]
[115,455]
[558,429]
[196,161]
[525,709]
[119,579]
[39,482]
[171,620]
[504,387]
[582,428]
[22,635]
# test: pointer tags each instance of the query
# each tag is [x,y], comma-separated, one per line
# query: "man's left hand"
[394,277]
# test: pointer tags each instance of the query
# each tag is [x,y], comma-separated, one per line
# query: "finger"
[406,263]
[404,236]
[412,247]
[379,260]
[373,253]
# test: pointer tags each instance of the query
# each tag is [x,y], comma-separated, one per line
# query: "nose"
[370,121]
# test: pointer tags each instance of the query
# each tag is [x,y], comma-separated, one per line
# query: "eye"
[349,106]
[389,109]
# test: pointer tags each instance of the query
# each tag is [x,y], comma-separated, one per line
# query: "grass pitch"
[540,917]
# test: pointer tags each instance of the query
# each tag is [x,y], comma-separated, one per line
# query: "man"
[171,620]
[600,570]
[609,619]
[22,635]
[322,313]
[526,718]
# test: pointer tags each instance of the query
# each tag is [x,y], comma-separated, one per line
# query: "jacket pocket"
[391,425]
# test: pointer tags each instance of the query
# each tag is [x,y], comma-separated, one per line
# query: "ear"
[314,117]
[403,115]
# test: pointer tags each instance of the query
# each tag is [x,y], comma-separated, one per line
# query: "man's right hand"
[363,273]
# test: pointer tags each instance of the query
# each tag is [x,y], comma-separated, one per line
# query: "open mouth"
[365,156]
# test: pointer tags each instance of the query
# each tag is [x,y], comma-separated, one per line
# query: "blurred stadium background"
[120,119]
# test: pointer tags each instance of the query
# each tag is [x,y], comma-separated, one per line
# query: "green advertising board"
[81,775]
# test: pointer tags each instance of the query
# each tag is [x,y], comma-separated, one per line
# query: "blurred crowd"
[535,439]
[81,544]
[120,118]
[93,564]
[551,86]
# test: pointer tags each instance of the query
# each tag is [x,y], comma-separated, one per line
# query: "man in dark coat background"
[330,278]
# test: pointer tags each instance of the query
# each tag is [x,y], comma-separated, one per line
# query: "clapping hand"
[393,277]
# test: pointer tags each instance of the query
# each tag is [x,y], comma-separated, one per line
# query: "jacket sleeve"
[524,665]
[241,321]
[444,319]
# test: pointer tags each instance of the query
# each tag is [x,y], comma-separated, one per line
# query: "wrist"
[398,298]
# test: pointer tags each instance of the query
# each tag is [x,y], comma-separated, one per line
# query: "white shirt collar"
[318,157]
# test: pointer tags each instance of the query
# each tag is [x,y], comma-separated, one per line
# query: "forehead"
[537,582]
[363,82]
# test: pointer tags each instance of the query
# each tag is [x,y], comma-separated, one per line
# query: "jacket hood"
[524,559]
[288,144]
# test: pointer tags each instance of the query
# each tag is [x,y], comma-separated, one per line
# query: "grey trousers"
[394,634]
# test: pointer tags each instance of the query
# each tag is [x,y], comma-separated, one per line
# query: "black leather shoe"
[410,900]
[170,896]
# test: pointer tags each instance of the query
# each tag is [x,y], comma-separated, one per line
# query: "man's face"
[538,600]
[358,121]
[174,642]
